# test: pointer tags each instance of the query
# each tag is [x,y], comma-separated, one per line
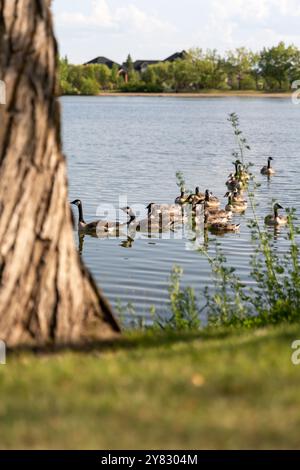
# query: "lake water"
[133,146]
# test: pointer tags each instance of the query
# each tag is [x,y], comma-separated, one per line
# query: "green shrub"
[89,86]
[185,314]
[140,87]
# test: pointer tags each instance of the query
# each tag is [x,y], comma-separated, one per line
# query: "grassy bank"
[196,390]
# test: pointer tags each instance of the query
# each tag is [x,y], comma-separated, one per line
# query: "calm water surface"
[125,146]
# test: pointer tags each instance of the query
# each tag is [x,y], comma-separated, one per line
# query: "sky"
[155,29]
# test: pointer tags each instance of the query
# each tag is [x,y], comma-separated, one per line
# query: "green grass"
[218,390]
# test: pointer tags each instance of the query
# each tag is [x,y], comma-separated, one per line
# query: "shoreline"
[199,95]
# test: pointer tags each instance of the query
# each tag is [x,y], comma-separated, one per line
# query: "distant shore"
[208,94]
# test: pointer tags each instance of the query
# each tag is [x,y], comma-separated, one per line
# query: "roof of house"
[138,64]
[177,55]
[103,61]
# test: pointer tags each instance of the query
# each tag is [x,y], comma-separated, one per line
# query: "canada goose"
[151,224]
[240,176]
[97,225]
[215,219]
[211,212]
[220,226]
[268,170]
[233,183]
[210,200]
[218,213]
[182,199]
[197,197]
[167,212]
[215,212]
[200,208]
[237,206]
[156,209]
[237,196]
[237,199]
[276,219]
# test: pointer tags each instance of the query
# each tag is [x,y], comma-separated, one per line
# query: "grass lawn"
[221,390]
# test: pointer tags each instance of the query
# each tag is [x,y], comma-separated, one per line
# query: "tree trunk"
[46,294]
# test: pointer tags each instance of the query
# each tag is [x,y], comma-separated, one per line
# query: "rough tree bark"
[46,294]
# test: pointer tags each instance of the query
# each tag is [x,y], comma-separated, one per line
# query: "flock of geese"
[204,209]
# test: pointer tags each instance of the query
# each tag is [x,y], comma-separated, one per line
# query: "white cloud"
[138,20]
[101,16]
[128,18]
[255,10]
[252,9]
[251,23]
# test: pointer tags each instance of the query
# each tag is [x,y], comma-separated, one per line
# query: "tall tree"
[276,64]
[129,64]
[132,75]
[238,65]
[46,294]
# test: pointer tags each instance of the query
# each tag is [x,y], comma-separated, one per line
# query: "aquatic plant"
[180,180]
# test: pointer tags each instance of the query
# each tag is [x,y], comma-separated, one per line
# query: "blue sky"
[154,29]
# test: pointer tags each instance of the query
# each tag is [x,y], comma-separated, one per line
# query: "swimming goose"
[267,170]
[218,213]
[214,219]
[197,197]
[168,212]
[220,226]
[215,212]
[233,183]
[211,212]
[156,209]
[237,206]
[97,225]
[151,224]
[182,199]
[210,200]
[237,196]
[276,219]
[238,179]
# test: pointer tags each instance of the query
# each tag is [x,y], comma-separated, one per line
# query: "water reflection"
[127,243]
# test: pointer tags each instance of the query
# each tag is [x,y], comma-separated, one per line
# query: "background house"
[139,65]
[103,61]
[178,55]
[142,65]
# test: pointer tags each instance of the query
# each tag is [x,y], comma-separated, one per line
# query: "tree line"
[272,69]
